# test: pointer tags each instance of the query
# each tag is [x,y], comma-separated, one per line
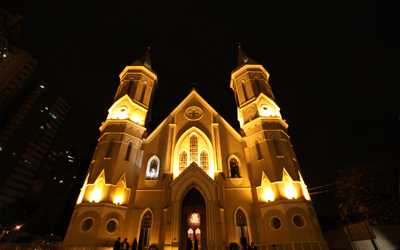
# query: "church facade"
[194,175]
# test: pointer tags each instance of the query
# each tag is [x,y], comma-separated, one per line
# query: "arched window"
[204,161]
[278,153]
[258,85]
[110,146]
[244,91]
[128,152]
[143,91]
[242,231]
[194,149]
[260,157]
[145,231]
[153,169]
[182,161]
[233,163]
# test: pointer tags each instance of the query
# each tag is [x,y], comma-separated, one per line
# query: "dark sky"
[334,67]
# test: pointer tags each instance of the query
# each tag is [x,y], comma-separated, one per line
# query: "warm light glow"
[119,192]
[289,189]
[194,218]
[268,194]
[83,189]
[304,188]
[97,191]
[18,227]
[267,111]
[136,120]
[183,144]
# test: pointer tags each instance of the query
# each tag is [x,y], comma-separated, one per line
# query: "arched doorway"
[193,220]
[145,231]
[242,230]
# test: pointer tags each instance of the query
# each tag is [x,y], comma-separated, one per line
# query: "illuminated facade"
[194,175]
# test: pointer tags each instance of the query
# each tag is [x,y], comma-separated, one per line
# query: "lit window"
[61,181]
[41,127]
[182,161]
[4,55]
[55,178]
[1,148]
[204,161]
[193,149]
[28,162]
[43,88]
[46,108]
[74,177]
[41,110]
[71,160]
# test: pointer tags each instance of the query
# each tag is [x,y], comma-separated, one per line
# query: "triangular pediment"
[182,105]
[193,170]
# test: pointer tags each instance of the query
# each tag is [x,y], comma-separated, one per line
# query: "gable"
[180,117]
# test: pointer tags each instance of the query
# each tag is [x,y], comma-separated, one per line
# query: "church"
[194,175]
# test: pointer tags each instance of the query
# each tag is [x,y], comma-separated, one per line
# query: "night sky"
[334,68]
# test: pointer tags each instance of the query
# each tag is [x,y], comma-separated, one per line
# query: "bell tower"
[274,171]
[112,177]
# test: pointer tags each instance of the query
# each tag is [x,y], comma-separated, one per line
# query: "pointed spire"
[144,60]
[242,58]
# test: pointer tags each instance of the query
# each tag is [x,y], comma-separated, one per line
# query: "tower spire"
[242,57]
[144,60]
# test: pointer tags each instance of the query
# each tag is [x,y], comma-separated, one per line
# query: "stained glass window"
[204,161]
[240,218]
[182,161]
[146,221]
[193,149]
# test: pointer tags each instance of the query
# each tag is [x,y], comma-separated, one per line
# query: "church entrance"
[193,220]
[145,231]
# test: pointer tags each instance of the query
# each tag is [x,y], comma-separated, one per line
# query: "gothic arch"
[111,142]
[205,186]
[247,221]
[203,142]
[140,222]
[194,181]
[148,174]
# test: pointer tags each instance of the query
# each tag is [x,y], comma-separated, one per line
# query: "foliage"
[370,191]
[234,246]
[153,247]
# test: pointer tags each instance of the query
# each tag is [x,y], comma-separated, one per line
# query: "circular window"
[87,224]
[111,226]
[276,223]
[298,221]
